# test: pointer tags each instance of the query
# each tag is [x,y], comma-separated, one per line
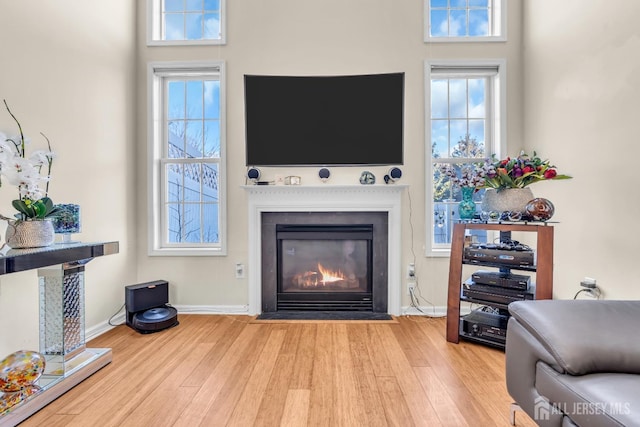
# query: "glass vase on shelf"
[67,221]
[467,207]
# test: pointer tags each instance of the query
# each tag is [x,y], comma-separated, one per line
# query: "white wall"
[315,38]
[67,70]
[581,95]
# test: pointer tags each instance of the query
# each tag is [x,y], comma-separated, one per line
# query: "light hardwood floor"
[233,371]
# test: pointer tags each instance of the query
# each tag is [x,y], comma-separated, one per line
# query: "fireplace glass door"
[324,267]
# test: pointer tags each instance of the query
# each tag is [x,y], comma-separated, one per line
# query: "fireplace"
[324,261]
[265,200]
[324,267]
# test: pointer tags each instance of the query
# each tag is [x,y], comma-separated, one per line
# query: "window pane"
[459,3]
[176,100]
[210,224]
[439,99]
[438,3]
[458,133]
[176,134]
[174,222]
[211,26]
[194,99]
[192,182]
[174,26]
[477,98]
[440,138]
[476,134]
[457,98]
[192,222]
[173,5]
[211,99]
[212,138]
[479,22]
[210,185]
[478,3]
[175,184]
[439,23]
[193,23]
[194,5]
[194,138]
[211,4]
[458,23]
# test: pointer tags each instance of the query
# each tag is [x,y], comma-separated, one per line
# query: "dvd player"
[505,280]
[476,255]
[496,294]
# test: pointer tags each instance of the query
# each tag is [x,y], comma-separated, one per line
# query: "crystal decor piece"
[67,220]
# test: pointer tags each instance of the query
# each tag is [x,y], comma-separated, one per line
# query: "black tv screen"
[324,120]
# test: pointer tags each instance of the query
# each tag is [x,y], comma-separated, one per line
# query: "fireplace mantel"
[325,198]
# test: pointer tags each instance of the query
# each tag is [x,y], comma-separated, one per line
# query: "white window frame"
[495,139]
[497,24]
[154,27]
[157,73]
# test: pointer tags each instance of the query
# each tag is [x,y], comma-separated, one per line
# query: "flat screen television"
[324,120]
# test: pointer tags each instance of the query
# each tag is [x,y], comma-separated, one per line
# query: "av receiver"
[486,325]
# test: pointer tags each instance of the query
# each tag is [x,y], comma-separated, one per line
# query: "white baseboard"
[431,311]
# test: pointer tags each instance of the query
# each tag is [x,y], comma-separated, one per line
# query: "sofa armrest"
[584,336]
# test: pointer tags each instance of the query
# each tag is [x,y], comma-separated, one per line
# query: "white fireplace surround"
[325,198]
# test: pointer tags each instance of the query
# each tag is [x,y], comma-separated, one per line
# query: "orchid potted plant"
[29,174]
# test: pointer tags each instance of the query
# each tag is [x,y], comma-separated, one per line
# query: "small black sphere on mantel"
[324,174]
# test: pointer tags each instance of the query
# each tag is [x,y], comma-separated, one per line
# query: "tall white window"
[465,20]
[465,124]
[185,22]
[187,159]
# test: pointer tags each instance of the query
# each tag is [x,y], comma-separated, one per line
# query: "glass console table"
[62,329]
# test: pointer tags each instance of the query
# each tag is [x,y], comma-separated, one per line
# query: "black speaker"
[393,175]
[253,174]
[147,307]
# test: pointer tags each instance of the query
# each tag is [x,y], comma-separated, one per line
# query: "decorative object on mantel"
[292,180]
[253,174]
[367,178]
[67,221]
[31,227]
[394,175]
[324,174]
[507,181]
[18,372]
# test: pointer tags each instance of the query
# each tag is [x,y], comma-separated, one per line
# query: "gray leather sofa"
[575,362]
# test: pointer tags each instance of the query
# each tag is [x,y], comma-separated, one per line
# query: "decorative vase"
[34,233]
[506,200]
[540,209]
[67,221]
[467,207]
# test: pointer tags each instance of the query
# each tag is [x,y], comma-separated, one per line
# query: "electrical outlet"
[411,271]
[411,287]
[239,270]
[589,283]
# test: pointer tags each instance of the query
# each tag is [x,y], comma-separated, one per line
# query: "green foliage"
[39,209]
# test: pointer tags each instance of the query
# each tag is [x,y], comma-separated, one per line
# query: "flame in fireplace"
[324,278]
[330,276]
